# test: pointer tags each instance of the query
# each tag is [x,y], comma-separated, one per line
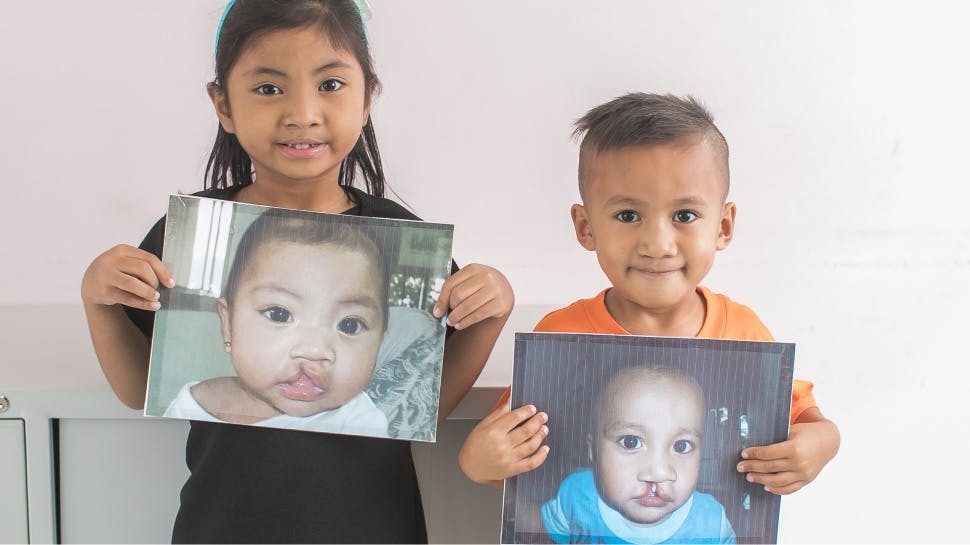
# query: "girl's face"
[305,326]
[296,104]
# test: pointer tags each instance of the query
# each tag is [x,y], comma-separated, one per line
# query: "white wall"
[848,130]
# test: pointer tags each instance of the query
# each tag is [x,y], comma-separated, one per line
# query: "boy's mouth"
[303,388]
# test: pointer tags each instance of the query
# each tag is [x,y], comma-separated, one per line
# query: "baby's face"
[647,447]
[306,324]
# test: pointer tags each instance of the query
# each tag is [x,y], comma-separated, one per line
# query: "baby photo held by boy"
[644,438]
[300,320]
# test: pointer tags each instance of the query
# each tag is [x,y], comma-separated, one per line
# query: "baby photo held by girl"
[644,435]
[300,320]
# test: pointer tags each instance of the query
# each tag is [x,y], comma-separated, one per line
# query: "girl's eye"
[331,85]
[627,216]
[684,216]
[268,89]
[630,442]
[278,314]
[683,446]
[351,326]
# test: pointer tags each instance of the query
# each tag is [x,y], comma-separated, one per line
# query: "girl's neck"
[330,198]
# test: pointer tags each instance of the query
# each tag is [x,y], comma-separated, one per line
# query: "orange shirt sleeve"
[504,398]
[801,398]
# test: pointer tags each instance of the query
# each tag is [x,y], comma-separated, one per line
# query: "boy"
[654,179]
[645,448]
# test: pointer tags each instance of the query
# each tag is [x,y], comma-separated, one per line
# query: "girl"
[293,90]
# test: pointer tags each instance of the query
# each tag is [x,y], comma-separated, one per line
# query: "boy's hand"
[126,275]
[786,467]
[473,294]
[504,444]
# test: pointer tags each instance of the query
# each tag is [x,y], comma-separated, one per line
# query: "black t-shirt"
[265,485]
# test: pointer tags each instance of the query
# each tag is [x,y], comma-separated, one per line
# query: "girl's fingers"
[443,303]
[763,466]
[774,480]
[133,301]
[473,311]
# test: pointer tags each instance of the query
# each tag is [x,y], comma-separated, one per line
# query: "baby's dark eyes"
[268,89]
[627,216]
[351,326]
[630,442]
[683,446]
[278,314]
[331,85]
[684,216]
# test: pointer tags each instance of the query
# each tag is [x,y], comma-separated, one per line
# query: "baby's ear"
[584,230]
[223,309]
[725,230]
[220,101]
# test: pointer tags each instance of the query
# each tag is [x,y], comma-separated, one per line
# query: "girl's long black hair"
[228,164]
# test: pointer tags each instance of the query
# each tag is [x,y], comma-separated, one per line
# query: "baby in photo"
[303,314]
[645,449]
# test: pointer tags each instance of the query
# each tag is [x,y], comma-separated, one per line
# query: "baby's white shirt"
[359,416]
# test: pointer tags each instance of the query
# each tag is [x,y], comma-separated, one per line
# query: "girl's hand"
[125,275]
[474,294]
[504,444]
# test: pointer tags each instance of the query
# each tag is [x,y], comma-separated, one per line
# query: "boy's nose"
[303,109]
[657,240]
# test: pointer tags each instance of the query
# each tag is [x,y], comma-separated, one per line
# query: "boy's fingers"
[496,414]
[793,487]
[527,429]
[774,480]
[509,421]
[764,466]
[529,447]
[533,461]
[769,452]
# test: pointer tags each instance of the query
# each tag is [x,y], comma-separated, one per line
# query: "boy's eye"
[331,85]
[278,315]
[628,216]
[684,216]
[630,442]
[683,446]
[268,89]
[351,326]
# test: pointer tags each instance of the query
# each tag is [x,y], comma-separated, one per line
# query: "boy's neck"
[682,320]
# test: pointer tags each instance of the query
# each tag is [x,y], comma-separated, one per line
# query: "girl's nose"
[303,109]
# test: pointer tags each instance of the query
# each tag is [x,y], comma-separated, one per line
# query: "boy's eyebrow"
[694,200]
[270,71]
[277,288]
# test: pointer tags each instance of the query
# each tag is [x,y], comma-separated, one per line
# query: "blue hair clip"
[363,10]
[222,20]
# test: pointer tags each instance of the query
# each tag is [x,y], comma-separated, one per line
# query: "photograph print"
[645,434]
[299,320]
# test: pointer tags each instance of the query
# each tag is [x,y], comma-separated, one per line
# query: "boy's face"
[655,216]
[306,324]
[647,447]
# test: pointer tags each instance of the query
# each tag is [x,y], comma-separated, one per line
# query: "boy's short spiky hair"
[645,119]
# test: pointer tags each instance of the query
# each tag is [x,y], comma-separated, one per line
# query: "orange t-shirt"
[724,319]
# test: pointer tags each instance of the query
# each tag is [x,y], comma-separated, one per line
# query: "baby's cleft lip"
[302,388]
[654,497]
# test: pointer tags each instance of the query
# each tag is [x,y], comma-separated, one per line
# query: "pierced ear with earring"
[228,346]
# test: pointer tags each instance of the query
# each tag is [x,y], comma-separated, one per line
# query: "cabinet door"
[120,479]
[13,482]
